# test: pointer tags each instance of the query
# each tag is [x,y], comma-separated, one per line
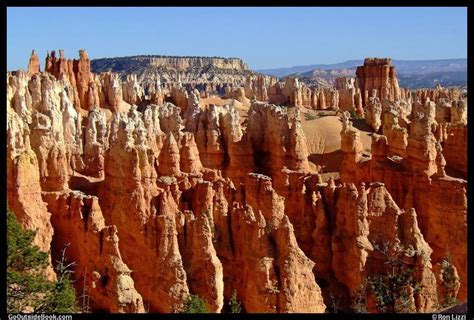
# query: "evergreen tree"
[195,304]
[234,304]
[25,265]
[391,289]
[27,286]
[62,297]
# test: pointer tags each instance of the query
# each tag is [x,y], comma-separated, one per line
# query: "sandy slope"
[324,140]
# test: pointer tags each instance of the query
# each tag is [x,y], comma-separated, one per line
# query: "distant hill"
[402,66]
[430,66]
[184,69]
[282,72]
[324,77]
[430,80]
[176,63]
[411,74]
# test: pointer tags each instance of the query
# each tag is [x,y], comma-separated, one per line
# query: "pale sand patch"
[323,138]
[323,135]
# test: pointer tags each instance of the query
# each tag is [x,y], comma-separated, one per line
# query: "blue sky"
[263,37]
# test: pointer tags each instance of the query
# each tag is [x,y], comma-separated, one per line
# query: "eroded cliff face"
[158,201]
[23,183]
[176,63]
[101,274]
[277,139]
[208,74]
[378,74]
[417,157]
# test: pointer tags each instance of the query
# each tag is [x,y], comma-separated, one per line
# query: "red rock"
[99,268]
[378,74]
[33,64]
[207,199]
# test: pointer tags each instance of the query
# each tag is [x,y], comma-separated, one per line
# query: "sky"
[264,37]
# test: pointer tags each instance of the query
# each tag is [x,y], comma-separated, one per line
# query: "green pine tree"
[63,297]
[234,304]
[195,304]
[27,286]
[26,283]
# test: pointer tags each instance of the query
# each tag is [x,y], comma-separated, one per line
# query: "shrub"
[390,289]
[27,286]
[234,304]
[450,280]
[195,304]
[309,116]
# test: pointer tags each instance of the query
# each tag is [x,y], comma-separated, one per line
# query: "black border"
[228,3]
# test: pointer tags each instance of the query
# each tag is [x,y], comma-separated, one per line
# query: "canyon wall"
[159,196]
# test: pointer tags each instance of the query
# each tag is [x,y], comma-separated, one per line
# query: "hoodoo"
[180,176]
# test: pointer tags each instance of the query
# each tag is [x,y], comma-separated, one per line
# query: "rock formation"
[271,138]
[103,274]
[378,74]
[423,165]
[350,97]
[23,182]
[33,64]
[112,91]
[421,147]
[132,92]
[456,141]
[351,146]
[162,186]
[397,136]
[374,112]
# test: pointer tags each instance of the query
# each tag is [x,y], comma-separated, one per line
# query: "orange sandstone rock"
[33,64]
[379,74]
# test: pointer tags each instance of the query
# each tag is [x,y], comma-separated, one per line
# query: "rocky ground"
[294,197]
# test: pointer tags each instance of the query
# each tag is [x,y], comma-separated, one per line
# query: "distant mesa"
[177,63]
